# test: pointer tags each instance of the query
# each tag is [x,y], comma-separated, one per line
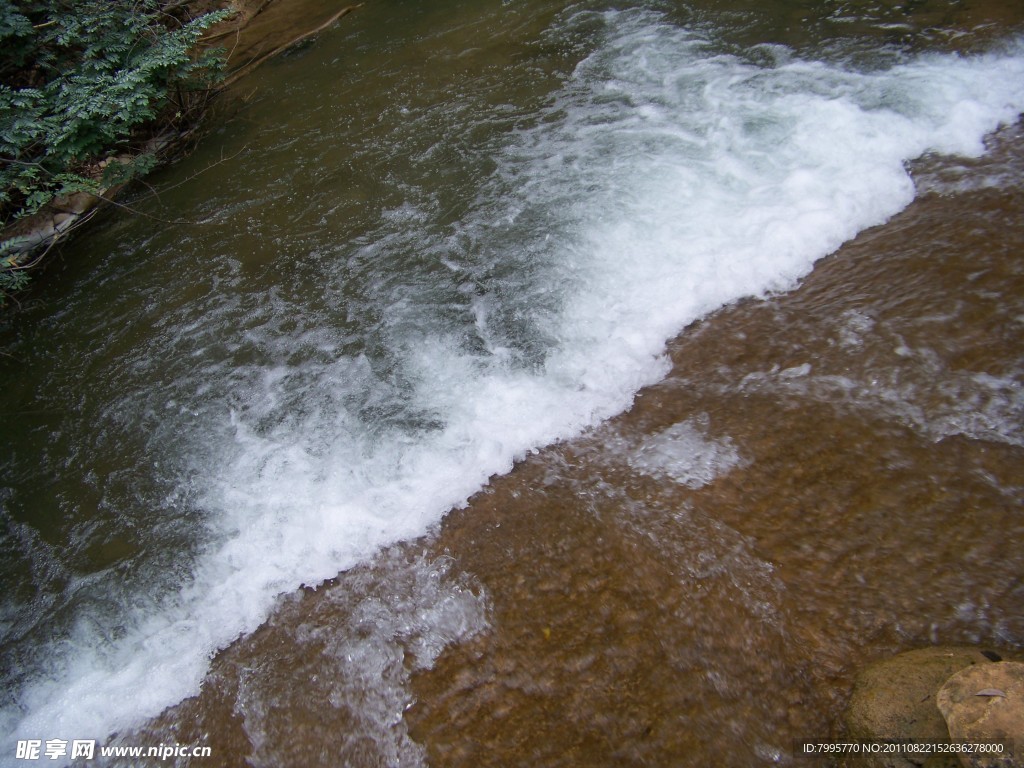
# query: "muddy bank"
[262,29]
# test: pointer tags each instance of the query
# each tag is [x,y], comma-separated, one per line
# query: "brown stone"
[38,236]
[79,202]
[984,704]
[62,221]
[895,699]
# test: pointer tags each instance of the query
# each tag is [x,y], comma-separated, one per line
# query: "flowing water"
[481,393]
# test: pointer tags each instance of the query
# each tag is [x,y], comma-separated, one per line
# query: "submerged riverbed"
[483,406]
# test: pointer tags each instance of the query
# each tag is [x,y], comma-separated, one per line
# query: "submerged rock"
[984,704]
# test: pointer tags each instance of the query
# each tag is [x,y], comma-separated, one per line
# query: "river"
[532,383]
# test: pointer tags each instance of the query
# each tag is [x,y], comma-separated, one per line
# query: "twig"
[199,172]
[153,192]
[156,194]
[137,212]
[40,257]
[24,162]
[238,26]
[255,62]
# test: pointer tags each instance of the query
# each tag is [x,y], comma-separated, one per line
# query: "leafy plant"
[81,80]
[12,274]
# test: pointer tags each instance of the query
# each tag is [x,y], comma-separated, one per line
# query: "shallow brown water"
[656,624]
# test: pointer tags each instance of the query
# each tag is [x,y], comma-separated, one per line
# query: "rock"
[41,235]
[79,202]
[896,699]
[61,221]
[985,704]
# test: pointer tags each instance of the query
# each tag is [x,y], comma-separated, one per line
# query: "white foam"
[855,326]
[664,181]
[934,401]
[683,453]
[394,620]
